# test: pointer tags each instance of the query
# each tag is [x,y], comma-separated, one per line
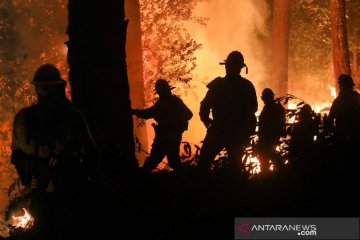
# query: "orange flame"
[292,106]
[253,161]
[25,221]
[332,90]
[272,167]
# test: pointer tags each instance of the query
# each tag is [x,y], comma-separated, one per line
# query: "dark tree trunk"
[98,77]
[135,73]
[280,46]
[339,38]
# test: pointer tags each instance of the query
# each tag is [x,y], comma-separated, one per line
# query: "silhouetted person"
[304,130]
[233,103]
[54,154]
[345,113]
[172,117]
[271,128]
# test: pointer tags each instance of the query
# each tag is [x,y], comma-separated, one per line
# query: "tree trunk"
[355,69]
[355,59]
[98,77]
[339,38]
[135,72]
[355,62]
[280,46]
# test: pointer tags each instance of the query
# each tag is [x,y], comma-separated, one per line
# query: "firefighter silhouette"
[172,116]
[233,103]
[303,133]
[54,154]
[345,113]
[271,128]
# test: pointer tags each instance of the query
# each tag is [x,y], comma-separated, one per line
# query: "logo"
[244,228]
[296,228]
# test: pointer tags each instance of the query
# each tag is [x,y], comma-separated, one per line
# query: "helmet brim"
[171,88]
[48,81]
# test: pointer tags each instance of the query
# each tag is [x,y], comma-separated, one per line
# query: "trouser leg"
[235,152]
[264,157]
[157,153]
[267,152]
[173,152]
[212,145]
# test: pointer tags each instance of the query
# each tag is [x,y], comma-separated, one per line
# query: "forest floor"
[169,205]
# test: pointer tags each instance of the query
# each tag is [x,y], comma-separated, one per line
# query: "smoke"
[232,25]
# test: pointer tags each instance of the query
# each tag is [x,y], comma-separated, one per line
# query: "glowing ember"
[25,221]
[254,164]
[278,148]
[271,167]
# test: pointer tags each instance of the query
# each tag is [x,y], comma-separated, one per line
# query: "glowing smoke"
[232,25]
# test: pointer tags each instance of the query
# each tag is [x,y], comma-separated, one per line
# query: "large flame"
[332,90]
[24,221]
[324,107]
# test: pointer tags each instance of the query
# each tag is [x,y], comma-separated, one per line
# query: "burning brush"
[22,220]
[18,217]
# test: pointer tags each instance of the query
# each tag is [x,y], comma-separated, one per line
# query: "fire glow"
[324,107]
[252,164]
[25,221]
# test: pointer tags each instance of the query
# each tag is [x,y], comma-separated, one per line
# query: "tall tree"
[340,47]
[280,45]
[168,48]
[135,72]
[98,77]
[353,28]
[309,47]
[355,62]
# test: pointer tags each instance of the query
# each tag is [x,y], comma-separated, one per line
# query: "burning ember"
[25,221]
[272,167]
